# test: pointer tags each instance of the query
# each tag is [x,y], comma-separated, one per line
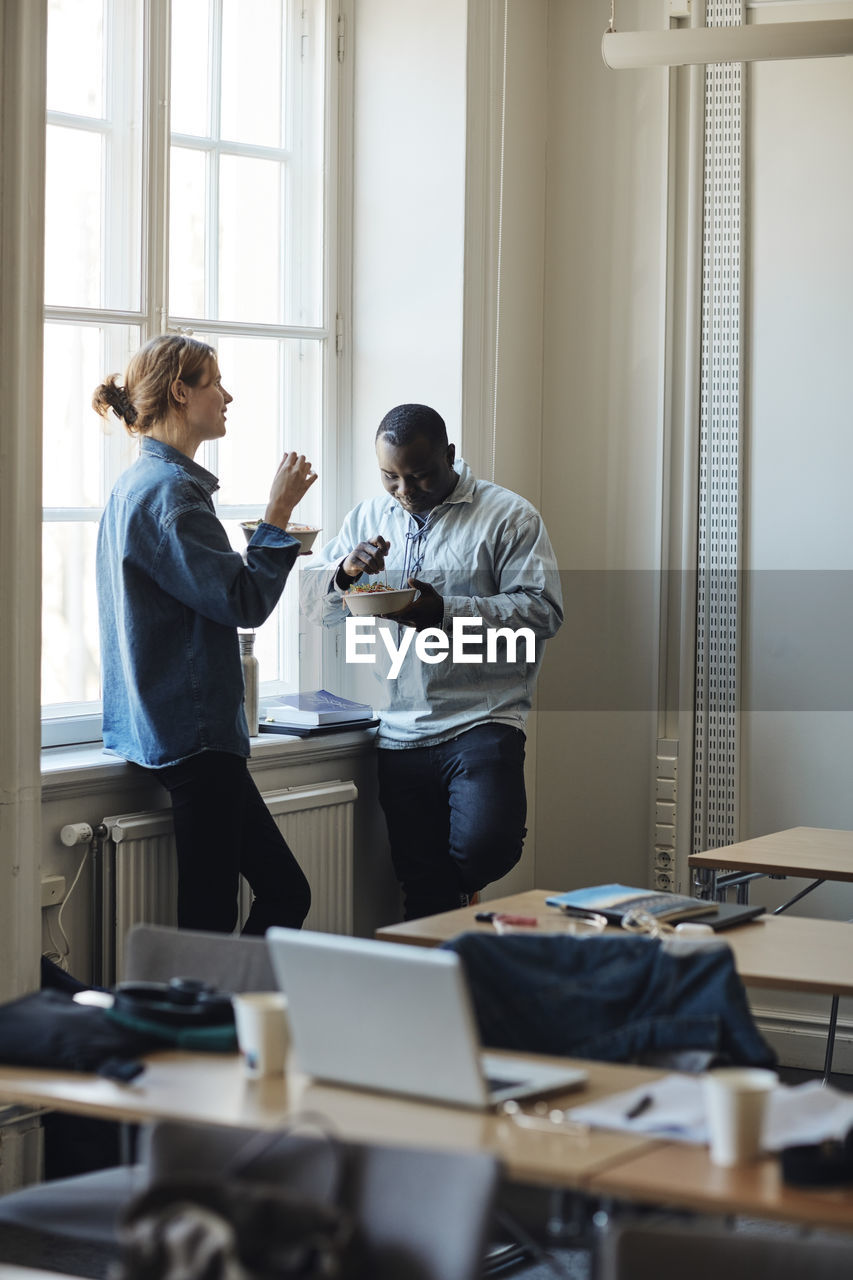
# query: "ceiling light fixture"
[681,46]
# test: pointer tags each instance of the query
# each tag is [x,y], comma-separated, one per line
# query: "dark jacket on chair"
[616,999]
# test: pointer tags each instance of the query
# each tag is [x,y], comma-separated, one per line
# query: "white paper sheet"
[795,1114]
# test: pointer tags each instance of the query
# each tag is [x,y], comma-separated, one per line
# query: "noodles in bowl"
[305,534]
[374,598]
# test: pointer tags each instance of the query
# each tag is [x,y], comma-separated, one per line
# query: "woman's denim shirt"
[171,594]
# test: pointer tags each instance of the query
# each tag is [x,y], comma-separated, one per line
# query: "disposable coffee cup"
[694,929]
[262,1032]
[735,1106]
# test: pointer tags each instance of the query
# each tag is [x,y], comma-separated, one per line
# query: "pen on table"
[640,1106]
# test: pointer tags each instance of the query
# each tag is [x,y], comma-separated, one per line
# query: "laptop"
[396,1018]
[726,915]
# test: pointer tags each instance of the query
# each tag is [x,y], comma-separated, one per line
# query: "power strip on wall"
[666,798]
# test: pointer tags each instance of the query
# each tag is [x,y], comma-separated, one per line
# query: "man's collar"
[465,485]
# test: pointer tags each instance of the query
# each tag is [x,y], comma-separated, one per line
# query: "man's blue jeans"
[455,815]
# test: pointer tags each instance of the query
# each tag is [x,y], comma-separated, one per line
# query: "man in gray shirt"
[454,704]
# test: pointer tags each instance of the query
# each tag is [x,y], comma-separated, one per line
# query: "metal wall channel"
[715,804]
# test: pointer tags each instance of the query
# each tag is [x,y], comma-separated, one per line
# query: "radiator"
[136,876]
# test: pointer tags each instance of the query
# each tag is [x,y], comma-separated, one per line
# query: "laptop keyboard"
[496,1083]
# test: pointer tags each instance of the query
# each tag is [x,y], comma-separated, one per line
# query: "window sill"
[89,768]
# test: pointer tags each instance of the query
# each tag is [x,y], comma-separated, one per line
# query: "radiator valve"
[76,833]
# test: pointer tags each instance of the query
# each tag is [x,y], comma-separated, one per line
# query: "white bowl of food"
[374,598]
[304,534]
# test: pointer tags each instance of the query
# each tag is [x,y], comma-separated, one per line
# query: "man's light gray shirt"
[485,550]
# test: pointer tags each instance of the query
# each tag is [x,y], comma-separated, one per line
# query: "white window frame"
[81,723]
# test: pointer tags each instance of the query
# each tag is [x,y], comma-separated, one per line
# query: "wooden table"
[681,1176]
[212,1088]
[793,953]
[817,853]
[813,852]
[8,1271]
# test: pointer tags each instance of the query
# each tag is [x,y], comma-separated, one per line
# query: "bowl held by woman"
[305,534]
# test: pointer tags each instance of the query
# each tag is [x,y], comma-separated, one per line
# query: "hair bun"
[122,406]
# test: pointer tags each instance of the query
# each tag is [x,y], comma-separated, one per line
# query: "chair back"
[156,953]
[671,1252]
[424,1215]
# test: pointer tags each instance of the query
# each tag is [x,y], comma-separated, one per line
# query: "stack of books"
[319,711]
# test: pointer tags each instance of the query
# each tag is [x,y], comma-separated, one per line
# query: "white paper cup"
[694,929]
[735,1103]
[263,1033]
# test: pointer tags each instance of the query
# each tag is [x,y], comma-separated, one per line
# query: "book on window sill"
[303,731]
[314,710]
[613,901]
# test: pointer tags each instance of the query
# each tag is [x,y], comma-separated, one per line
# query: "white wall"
[601,451]
[22,71]
[797,730]
[579,412]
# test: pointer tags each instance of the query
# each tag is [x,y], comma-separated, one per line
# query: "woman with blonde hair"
[171,594]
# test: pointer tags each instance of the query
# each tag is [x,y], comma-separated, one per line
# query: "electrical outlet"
[52,891]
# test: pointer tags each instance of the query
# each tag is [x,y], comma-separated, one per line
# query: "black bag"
[50,1029]
[47,1029]
[233,1227]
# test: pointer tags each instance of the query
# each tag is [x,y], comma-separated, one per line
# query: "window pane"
[75,57]
[251,71]
[187,233]
[250,240]
[93,234]
[245,245]
[303,417]
[70,660]
[303,272]
[73,230]
[277,406]
[79,447]
[191,67]
[249,454]
[276,387]
[72,443]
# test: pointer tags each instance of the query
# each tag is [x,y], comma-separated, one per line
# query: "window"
[194,201]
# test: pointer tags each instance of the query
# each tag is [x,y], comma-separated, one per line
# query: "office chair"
[634,1251]
[69,1224]
[423,1215]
